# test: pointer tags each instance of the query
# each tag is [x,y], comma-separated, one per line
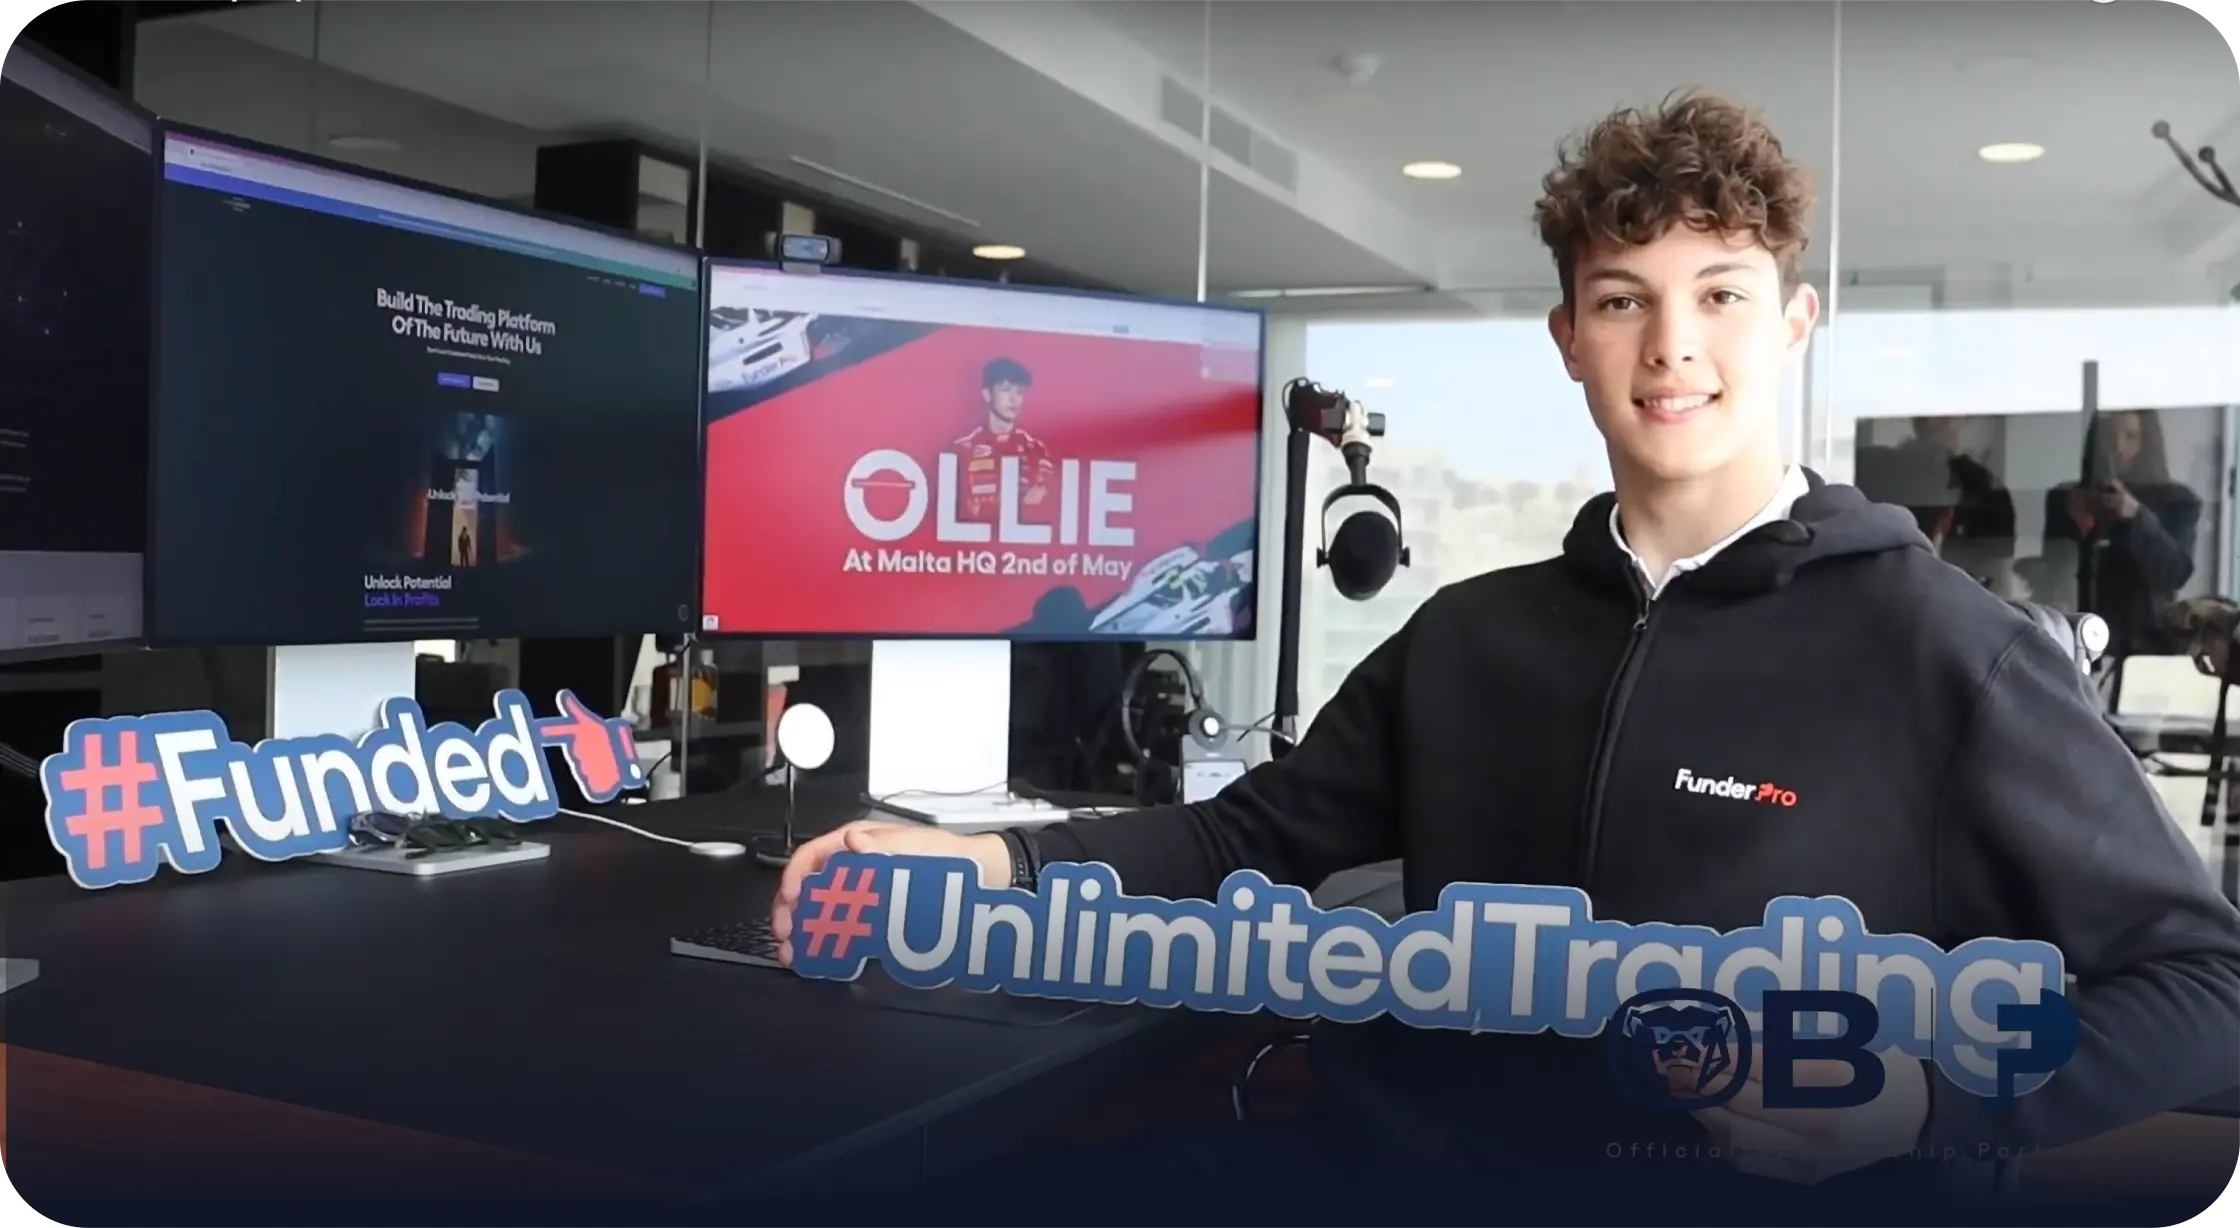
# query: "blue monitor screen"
[387,413]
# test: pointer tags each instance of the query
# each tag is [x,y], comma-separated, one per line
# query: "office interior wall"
[283,89]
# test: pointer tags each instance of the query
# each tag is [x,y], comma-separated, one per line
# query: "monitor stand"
[941,735]
[339,688]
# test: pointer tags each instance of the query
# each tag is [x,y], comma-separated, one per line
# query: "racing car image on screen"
[751,346]
[1182,593]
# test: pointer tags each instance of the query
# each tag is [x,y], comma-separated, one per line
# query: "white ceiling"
[1923,84]
[1040,123]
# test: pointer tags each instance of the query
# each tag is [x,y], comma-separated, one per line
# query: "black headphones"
[1369,548]
[1159,782]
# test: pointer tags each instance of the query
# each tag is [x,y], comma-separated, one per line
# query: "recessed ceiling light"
[361,143]
[1000,251]
[1431,170]
[2012,151]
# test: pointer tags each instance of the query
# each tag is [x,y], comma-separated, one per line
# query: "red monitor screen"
[911,457]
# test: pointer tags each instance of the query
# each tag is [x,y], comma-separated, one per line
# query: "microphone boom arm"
[1313,412]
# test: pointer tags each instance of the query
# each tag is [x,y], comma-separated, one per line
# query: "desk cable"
[705,848]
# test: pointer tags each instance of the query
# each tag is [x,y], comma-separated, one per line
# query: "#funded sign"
[126,794]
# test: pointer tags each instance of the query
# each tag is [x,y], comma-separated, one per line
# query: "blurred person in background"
[1979,531]
[2133,529]
[1908,476]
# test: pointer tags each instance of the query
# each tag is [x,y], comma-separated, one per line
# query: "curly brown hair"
[1697,160]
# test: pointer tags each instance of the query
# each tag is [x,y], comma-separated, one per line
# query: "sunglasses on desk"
[420,836]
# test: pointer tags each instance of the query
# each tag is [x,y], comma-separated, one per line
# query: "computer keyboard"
[747,942]
[752,943]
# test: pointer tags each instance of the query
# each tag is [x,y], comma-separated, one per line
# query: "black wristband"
[1026,868]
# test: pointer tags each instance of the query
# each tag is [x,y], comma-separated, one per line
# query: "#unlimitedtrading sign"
[1810,981]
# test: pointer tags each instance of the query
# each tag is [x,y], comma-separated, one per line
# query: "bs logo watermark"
[1693,1049]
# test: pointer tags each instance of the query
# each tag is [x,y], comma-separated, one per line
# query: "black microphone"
[1368,548]
[1363,556]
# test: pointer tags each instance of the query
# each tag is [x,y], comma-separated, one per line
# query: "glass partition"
[2036,344]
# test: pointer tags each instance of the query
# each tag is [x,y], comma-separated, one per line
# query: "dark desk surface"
[532,1007]
[536,1008]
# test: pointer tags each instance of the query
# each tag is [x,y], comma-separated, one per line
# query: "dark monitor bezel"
[1259,459]
[152,635]
[50,60]
[32,654]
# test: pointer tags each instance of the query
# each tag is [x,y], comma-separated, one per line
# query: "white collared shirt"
[1793,487]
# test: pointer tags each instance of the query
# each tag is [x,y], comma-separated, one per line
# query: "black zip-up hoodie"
[1953,778]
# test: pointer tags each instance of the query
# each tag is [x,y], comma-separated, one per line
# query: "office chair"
[2083,638]
[2209,627]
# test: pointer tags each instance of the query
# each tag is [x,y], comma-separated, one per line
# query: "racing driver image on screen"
[1003,386]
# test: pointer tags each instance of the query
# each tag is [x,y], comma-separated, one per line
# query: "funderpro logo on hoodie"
[1763,792]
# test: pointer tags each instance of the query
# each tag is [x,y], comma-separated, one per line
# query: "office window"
[1487,447]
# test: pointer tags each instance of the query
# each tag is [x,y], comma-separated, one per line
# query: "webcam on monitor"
[822,251]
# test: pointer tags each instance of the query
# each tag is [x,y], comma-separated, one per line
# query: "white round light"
[1431,170]
[1000,251]
[805,736]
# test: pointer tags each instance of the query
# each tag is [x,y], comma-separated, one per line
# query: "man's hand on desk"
[1808,1146]
[877,836]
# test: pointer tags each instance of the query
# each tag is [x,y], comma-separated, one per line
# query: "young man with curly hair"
[1722,616]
